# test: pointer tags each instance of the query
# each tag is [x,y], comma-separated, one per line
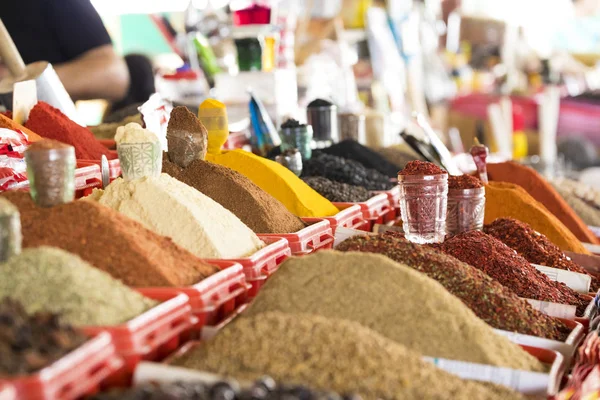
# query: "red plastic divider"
[214,298]
[394,198]
[152,335]
[316,236]
[114,166]
[351,217]
[556,362]
[374,210]
[79,373]
[262,264]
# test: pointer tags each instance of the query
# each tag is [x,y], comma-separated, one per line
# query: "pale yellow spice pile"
[398,302]
[329,354]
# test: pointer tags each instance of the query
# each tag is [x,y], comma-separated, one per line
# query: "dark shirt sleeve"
[77,26]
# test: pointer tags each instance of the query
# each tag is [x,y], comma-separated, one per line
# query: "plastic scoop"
[213,115]
[479,152]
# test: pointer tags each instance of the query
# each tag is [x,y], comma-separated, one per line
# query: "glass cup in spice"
[423,201]
[292,160]
[51,172]
[466,204]
[140,152]
[295,135]
[10,230]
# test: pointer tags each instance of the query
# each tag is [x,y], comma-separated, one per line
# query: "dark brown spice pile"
[337,192]
[260,211]
[533,246]
[353,150]
[463,182]
[487,298]
[418,167]
[187,138]
[502,263]
[109,241]
[30,343]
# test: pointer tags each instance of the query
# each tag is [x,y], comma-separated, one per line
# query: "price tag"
[528,383]
[565,311]
[576,281]
[566,350]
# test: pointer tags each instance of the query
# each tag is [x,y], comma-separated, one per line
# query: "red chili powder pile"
[50,123]
[109,241]
[418,167]
[502,263]
[464,182]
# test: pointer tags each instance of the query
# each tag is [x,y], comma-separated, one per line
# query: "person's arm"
[97,73]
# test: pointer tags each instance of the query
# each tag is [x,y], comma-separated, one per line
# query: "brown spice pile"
[109,241]
[329,354]
[260,211]
[487,298]
[30,343]
[533,246]
[399,303]
[418,167]
[187,138]
[502,263]
[463,182]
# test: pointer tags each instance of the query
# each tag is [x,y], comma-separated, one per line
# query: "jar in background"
[297,137]
[140,159]
[249,54]
[322,116]
[51,172]
[423,205]
[466,208]
[353,126]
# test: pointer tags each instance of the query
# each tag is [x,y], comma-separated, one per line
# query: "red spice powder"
[464,182]
[50,123]
[418,167]
[502,263]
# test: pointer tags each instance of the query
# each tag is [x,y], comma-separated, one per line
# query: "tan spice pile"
[260,211]
[392,299]
[329,354]
[109,241]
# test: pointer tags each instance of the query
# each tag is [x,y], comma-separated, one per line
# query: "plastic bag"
[12,163]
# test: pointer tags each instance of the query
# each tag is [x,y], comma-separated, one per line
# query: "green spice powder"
[398,302]
[52,280]
[329,354]
[487,298]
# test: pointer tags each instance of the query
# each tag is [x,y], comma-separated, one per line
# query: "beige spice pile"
[393,300]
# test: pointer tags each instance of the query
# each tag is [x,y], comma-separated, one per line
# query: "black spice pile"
[502,263]
[353,150]
[339,169]
[292,123]
[337,192]
[263,389]
[30,343]
[487,298]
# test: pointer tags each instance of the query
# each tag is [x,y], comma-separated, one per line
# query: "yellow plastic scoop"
[213,115]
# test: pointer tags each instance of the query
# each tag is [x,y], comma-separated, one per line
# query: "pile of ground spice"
[275,179]
[418,167]
[338,192]
[541,190]
[502,263]
[464,182]
[342,170]
[260,211]
[30,343]
[533,246]
[398,155]
[487,298]
[329,354]
[109,241]
[52,280]
[7,123]
[50,123]
[353,150]
[504,199]
[332,284]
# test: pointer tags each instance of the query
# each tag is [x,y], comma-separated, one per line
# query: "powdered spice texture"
[260,211]
[418,167]
[329,354]
[393,300]
[109,241]
[502,263]
[463,182]
[487,298]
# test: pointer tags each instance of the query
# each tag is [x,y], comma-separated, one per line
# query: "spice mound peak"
[418,167]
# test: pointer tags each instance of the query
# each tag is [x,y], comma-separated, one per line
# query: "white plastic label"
[566,350]
[529,383]
[576,281]
[565,311]
[594,248]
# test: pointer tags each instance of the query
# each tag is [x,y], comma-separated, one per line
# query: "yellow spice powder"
[281,183]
